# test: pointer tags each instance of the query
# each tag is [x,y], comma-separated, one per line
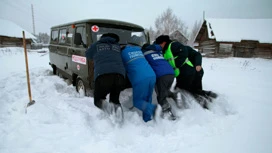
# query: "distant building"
[235,37]
[11,35]
[178,36]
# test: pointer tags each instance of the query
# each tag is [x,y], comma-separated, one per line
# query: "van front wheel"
[80,87]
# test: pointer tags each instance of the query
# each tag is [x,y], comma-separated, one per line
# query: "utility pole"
[33,22]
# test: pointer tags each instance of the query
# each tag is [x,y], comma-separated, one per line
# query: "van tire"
[58,73]
[54,69]
[80,86]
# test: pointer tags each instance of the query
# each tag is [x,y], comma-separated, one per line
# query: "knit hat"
[112,35]
[145,45]
[162,38]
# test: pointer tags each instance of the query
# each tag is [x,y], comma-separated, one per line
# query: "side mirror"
[77,39]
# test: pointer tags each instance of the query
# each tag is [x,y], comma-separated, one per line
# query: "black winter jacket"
[181,52]
[107,57]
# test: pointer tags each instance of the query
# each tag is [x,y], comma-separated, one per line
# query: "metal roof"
[103,21]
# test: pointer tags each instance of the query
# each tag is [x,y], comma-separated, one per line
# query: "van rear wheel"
[58,73]
[80,87]
[54,69]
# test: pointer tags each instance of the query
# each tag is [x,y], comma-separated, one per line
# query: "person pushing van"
[109,72]
[142,78]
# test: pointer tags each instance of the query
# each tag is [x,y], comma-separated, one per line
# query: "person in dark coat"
[196,58]
[164,76]
[109,71]
[180,54]
[188,61]
[142,78]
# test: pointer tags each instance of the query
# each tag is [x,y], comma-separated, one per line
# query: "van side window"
[69,36]
[54,35]
[82,31]
[62,36]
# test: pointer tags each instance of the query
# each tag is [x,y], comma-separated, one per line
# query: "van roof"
[103,21]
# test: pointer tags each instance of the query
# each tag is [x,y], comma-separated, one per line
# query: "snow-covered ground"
[62,121]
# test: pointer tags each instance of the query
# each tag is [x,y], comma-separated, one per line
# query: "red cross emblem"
[95,28]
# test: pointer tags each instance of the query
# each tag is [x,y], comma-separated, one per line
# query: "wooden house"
[11,35]
[235,37]
[178,36]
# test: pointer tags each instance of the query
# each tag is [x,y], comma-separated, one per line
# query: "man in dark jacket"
[179,55]
[164,77]
[109,71]
[188,61]
[196,58]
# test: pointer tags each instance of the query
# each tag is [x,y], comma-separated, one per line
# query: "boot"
[107,107]
[118,113]
[202,101]
[167,111]
[178,100]
[176,96]
[211,94]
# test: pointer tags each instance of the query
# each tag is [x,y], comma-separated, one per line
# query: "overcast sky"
[48,13]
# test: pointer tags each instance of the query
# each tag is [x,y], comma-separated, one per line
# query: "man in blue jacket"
[165,76]
[142,78]
[109,71]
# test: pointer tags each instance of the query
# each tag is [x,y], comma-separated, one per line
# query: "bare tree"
[43,38]
[167,23]
[194,32]
[152,34]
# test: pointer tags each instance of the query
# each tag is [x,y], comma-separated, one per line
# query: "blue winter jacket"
[106,56]
[153,54]
[136,65]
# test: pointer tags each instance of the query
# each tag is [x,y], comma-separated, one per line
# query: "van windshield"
[126,36]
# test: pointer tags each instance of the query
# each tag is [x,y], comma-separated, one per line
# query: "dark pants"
[163,85]
[186,78]
[106,84]
[197,88]
[185,82]
[197,82]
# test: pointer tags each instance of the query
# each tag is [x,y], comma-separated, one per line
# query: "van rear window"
[126,36]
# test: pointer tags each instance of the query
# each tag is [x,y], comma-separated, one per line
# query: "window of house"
[212,33]
[226,48]
[54,35]
[62,36]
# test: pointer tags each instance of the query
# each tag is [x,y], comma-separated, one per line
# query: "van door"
[62,50]
[77,52]
[54,46]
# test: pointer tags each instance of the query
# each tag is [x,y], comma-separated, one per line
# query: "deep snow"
[62,121]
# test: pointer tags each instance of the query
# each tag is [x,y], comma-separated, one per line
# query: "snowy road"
[62,121]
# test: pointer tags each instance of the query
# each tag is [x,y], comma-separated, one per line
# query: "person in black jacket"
[180,56]
[196,58]
[109,71]
[189,63]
